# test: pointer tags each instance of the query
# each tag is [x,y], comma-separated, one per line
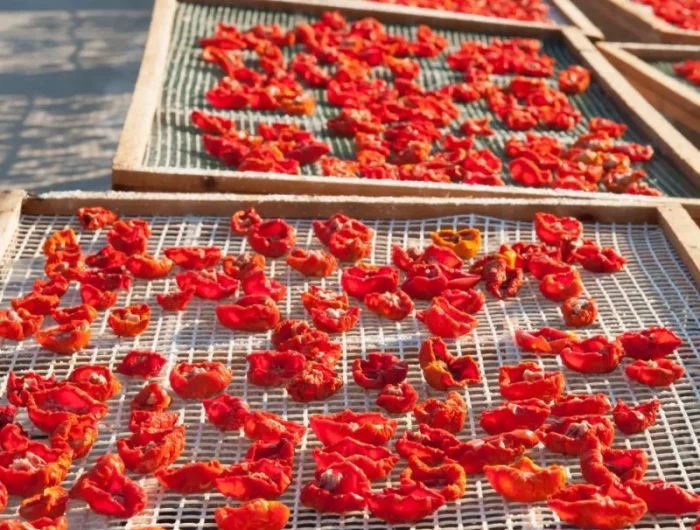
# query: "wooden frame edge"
[144,102]
[579,19]
[10,211]
[684,234]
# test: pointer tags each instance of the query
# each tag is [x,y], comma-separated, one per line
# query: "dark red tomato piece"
[266,479]
[243,220]
[447,479]
[442,370]
[78,312]
[602,465]
[253,313]
[665,498]
[47,409]
[379,369]
[367,427]
[581,405]
[107,279]
[273,238]
[100,300]
[318,298]
[567,435]
[270,428]
[448,415]
[199,380]
[649,344]
[659,373]
[544,340]
[375,462]
[579,312]
[445,320]
[341,488]
[147,267]
[209,284]
[18,325]
[312,263]
[493,450]
[502,280]
[152,397]
[528,380]
[270,369]
[595,355]
[146,451]
[107,258]
[142,363]
[405,259]
[633,420]
[65,339]
[176,300]
[257,283]
[239,266]
[523,481]
[226,413]
[282,450]
[527,414]
[94,218]
[194,477]
[105,467]
[360,280]
[97,381]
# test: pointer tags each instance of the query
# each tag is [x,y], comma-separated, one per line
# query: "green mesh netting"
[667,68]
[175,143]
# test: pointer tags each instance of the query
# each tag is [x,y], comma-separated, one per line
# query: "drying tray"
[161,150]
[649,67]
[659,286]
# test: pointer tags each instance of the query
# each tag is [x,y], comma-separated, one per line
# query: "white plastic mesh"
[655,288]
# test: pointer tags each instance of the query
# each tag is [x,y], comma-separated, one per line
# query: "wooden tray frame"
[626,20]
[129,172]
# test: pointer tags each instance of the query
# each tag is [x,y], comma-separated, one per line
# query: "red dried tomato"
[105,467]
[113,495]
[607,508]
[287,332]
[271,369]
[649,344]
[602,465]
[429,445]
[425,281]
[249,313]
[405,259]
[347,239]
[195,477]
[544,340]
[243,220]
[65,339]
[448,479]
[62,243]
[199,380]
[268,427]
[146,420]
[29,469]
[448,415]
[36,304]
[394,306]
[379,369]
[51,503]
[239,266]
[397,399]
[177,300]
[18,325]
[493,450]
[50,408]
[60,523]
[611,128]
[318,298]
[94,218]
[257,514]
[445,320]
[367,427]
[406,504]
[567,435]
[107,258]
[375,462]
[467,301]
[341,488]
[56,286]
[106,280]
[147,267]
[209,284]
[267,479]
[312,263]
[130,321]
[527,414]
[79,312]
[551,229]
[360,280]
[528,380]
[658,373]
[542,265]
[142,363]
[581,405]
[633,420]
[226,413]
[502,281]
[196,258]
[100,300]
[146,451]
[333,320]
[443,370]
[7,415]
[560,287]
[272,238]
[665,498]
[20,387]
[574,80]
[75,436]
[596,259]
[151,397]
[578,312]
[97,381]
[257,283]
[526,172]
[524,481]
[316,382]
[595,355]
[282,450]
[129,237]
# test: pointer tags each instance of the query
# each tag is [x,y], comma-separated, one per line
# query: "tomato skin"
[500,449]
[268,427]
[335,320]
[26,483]
[659,373]
[146,451]
[602,465]
[527,414]
[56,286]
[176,300]
[152,397]
[239,266]
[271,369]
[404,259]
[599,260]
[254,313]
[273,238]
[633,420]
[665,498]
[448,479]
[130,321]
[76,436]
[208,284]
[199,380]
[243,220]
[100,300]
[114,496]
[195,477]
[448,415]
[94,218]
[649,344]
[360,280]
[595,355]
[527,380]
[51,503]
[406,504]
[379,369]
[267,479]
[36,304]
[258,514]
[18,325]
[341,488]
[442,370]
[316,382]
[579,313]
[148,267]
[142,363]
[97,381]
[367,427]
[376,462]
[282,450]
[80,312]
[318,298]
[312,263]
[568,435]
[543,341]
[194,258]
[550,228]
[257,283]
[523,481]
[466,242]
[20,387]
[429,445]
[129,237]
[146,420]
[581,405]
[50,408]
[445,320]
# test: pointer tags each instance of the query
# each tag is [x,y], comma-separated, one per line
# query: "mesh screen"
[655,288]
[175,143]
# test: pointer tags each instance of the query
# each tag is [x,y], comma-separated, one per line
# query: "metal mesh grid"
[654,289]
[175,143]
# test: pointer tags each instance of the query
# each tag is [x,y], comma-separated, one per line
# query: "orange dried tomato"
[129,237]
[268,427]
[379,369]
[528,380]
[551,229]
[272,238]
[312,263]
[567,435]
[57,286]
[448,415]
[97,381]
[152,397]
[429,445]
[376,462]
[448,479]
[195,477]
[524,481]
[318,298]
[560,287]
[332,320]
[544,340]
[578,312]
[30,468]
[574,80]
[130,321]
[526,414]
[147,267]
[226,413]
[60,523]
[199,380]
[18,325]
[62,243]
[266,479]
[658,373]
[243,220]
[94,297]
[633,420]
[65,339]
[95,217]
[465,242]
[445,320]
[258,514]
[367,427]
[196,258]
[36,304]
[249,313]
[20,387]
[397,399]
[239,266]
[442,370]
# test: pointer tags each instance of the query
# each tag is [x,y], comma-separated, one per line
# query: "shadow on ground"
[67,71]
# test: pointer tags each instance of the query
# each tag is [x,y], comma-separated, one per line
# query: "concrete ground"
[67,71]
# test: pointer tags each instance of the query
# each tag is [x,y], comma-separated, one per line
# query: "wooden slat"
[658,52]
[684,234]
[10,208]
[578,18]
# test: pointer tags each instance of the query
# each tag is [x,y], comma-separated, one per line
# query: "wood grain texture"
[10,209]
[578,18]
[684,234]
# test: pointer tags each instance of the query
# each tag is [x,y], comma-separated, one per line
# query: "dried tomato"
[270,369]
[146,420]
[107,258]
[243,220]
[658,373]
[76,436]
[368,427]
[31,468]
[551,229]
[560,287]
[106,280]
[425,281]
[611,128]
[312,263]
[429,445]
[502,281]
[267,479]
[333,320]
[405,259]
[602,465]
[114,495]
[360,280]
[142,363]
[596,259]
[542,265]
[257,283]
[268,427]
[195,477]
[7,415]
[36,304]
[493,450]
[633,420]
[379,369]
[95,217]
[665,498]
[282,450]
[79,312]
[146,451]
[100,300]
[318,298]
[50,408]
[316,382]
[105,467]
[51,503]
[607,508]
[528,380]
[465,242]
[526,172]
[272,238]
[544,340]
[152,397]
[65,339]
[62,243]
[375,462]
[249,313]
[574,80]
[129,237]
[442,370]
[18,325]
[397,399]
[199,380]
[406,504]
[60,523]
[394,306]
[20,387]
[240,266]
[196,258]
[595,355]
[147,267]
[448,480]
[524,481]
[448,415]
[649,344]
[257,514]
[468,301]
[226,413]
[578,312]
[581,405]
[341,488]
[526,414]
[97,381]
[208,284]
[56,286]
[445,320]
[567,435]
[176,300]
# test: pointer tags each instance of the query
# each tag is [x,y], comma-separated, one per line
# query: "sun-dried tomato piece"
[394,306]
[18,325]
[146,451]
[36,304]
[106,280]
[493,450]
[581,405]
[65,339]
[502,280]
[397,399]
[100,300]
[544,340]
[560,287]
[240,266]
[146,420]
[130,236]
[243,220]
[341,223]
[79,312]
[523,481]
[318,298]
[649,344]
[633,420]
[29,469]
[20,387]
[468,301]
[268,427]
[526,414]
[142,363]
[273,238]
[226,413]
[195,477]
[312,263]
[602,465]
[579,312]
[59,523]
[196,258]
[425,281]
[528,380]
[76,436]
[94,218]
[257,283]
[333,320]
[465,242]
[551,229]
[429,445]
[56,286]
[542,265]
[7,416]
[405,259]
[595,355]
[258,514]
[406,504]
[249,313]
[442,370]
[267,479]
[152,397]
[286,333]
[282,450]
[599,260]
[360,280]
[147,267]
[112,494]
[176,300]
[316,382]
[97,381]
[209,284]
[367,427]
[567,435]
[662,497]
[526,172]
[574,80]
[340,488]
[448,479]
[375,462]
[51,503]
[445,320]
[448,415]
[107,258]
[61,243]
[658,373]
[199,380]
[379,369]
[50,408]
[270,369]
[106,466]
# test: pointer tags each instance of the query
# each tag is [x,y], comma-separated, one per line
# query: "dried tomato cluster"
[525,10]
[689,70]
[682,13]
